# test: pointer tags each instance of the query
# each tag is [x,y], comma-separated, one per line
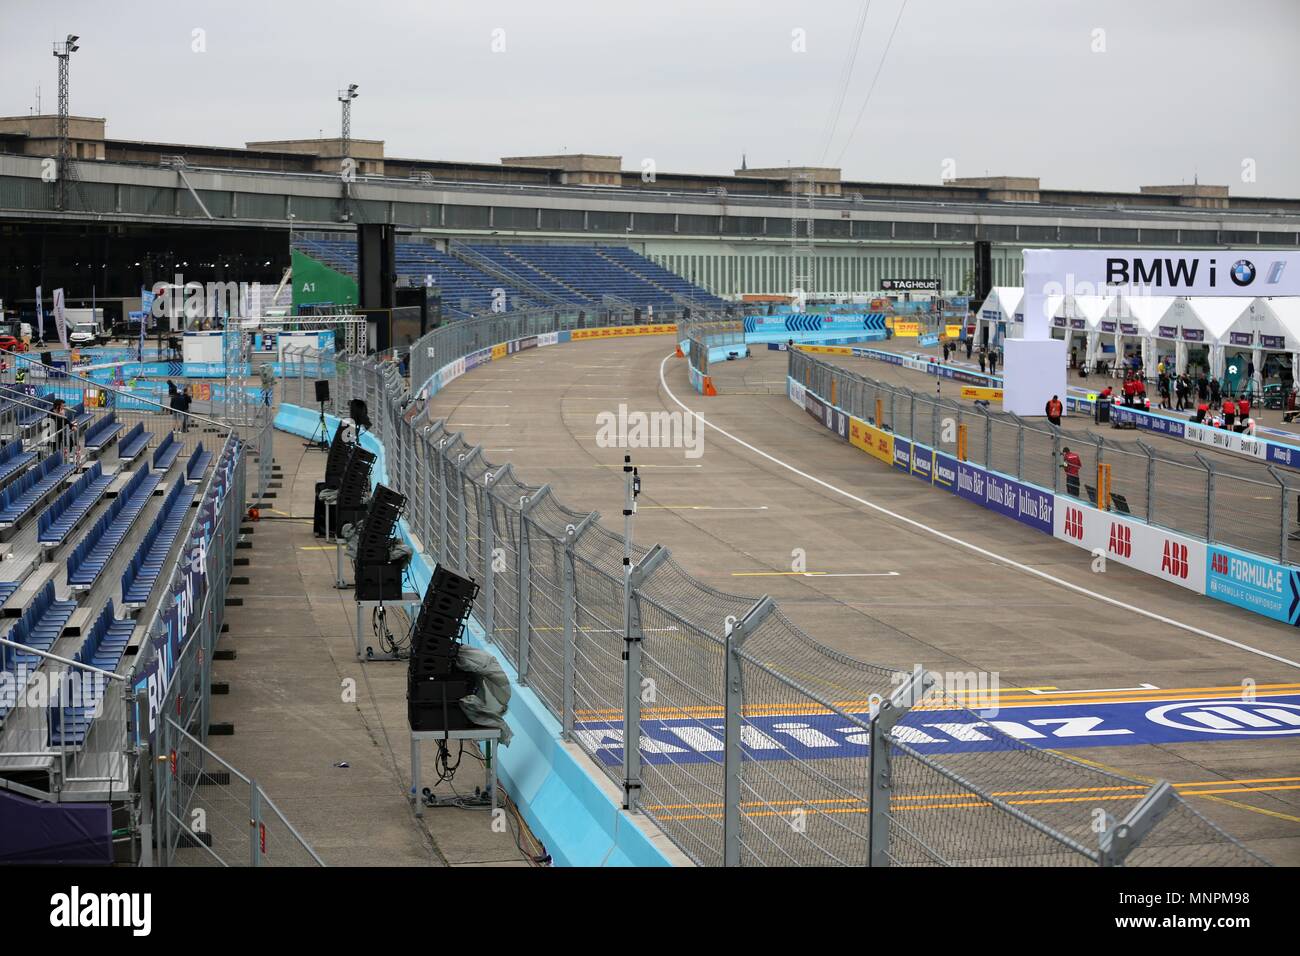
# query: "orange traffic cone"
[708,386]
[677,353]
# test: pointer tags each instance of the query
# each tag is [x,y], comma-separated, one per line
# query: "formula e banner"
[1254,584]
[1154,551]
[1180,272]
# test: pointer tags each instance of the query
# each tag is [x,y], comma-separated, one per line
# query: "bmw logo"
[1243,272]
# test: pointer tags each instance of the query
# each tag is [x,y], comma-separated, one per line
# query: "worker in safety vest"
[1072,464]
[1054,409]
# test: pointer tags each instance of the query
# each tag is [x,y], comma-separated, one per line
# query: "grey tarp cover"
[487,708]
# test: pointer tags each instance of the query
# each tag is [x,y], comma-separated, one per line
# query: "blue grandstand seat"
[67,510]
[13,460]
[102,432]
[70,719]
[98,545]
[197,464]
[40,626]
[166,452]
[146,565]
[133,442]
[28,491]
[7,590]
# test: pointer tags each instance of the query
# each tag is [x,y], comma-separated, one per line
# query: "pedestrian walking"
[970,344]
[983,358]
[993,362]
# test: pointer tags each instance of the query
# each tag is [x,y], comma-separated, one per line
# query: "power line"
[846,75]
[879,66]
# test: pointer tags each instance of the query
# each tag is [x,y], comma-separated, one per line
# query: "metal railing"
[729,699]
[1234,502]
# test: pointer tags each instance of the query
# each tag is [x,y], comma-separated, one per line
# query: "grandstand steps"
[31,586]
[80,619]
[556,279]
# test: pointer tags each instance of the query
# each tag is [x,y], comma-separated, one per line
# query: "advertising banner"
[795,390]
[1155,551]
[1025,503]
[60,320]
[923,463]
[945,471]
[909,285]
[1226,440]
[1145,420]
[1254,584]
[902,454]
[1179,272]
[906,329]
[547,338]
[1284,455]
[875,442]
[983,394]
[617,331]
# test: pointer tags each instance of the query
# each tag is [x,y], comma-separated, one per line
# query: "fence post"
[885,715]
[636,576]
[569,610]
[1119,839]
[254,823]
[1209,496]
[988,436]
[137,709]
[487,543]
[462,519]
[734,701]
[526,504]
[1151,481]
[1285,536]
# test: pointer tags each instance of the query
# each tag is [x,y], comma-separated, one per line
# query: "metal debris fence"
[647,652]
[1234,502]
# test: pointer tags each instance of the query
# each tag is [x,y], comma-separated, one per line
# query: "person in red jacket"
[1072,464]
[1243,409]
[1229,412]
[1054,409]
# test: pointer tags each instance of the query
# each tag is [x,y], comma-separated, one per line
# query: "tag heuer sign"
[909,285]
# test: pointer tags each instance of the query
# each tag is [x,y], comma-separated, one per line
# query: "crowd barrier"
[887,422]
[717,769]
[1260,449]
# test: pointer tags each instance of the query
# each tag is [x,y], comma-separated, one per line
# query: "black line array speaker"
[983,272]
[381,522]
[434,683]
[323,390]
[337,458]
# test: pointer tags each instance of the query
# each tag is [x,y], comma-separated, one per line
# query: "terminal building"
[138,212]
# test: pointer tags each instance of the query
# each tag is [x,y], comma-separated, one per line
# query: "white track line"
[1010,562]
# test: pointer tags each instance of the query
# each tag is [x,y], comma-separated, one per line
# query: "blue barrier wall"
[547,778]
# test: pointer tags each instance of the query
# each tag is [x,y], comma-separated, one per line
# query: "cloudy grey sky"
[1090,94]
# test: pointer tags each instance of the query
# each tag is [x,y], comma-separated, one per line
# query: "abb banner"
[1153,551]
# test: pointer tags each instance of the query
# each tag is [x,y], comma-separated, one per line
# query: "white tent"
[1147,318]
[1000,306]
[1214,316]
[1287,312]
[1092,310]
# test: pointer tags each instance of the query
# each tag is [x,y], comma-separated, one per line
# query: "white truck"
[85,326]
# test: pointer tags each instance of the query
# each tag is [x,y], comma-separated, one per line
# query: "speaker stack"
[326,514]
[354,485]
[379,578]
[434,683]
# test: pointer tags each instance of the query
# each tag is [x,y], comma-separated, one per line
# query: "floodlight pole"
[63,51]
[346,97]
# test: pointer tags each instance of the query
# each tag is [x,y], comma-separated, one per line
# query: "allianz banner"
[1154,551]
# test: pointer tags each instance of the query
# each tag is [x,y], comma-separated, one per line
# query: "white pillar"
[1034,367]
